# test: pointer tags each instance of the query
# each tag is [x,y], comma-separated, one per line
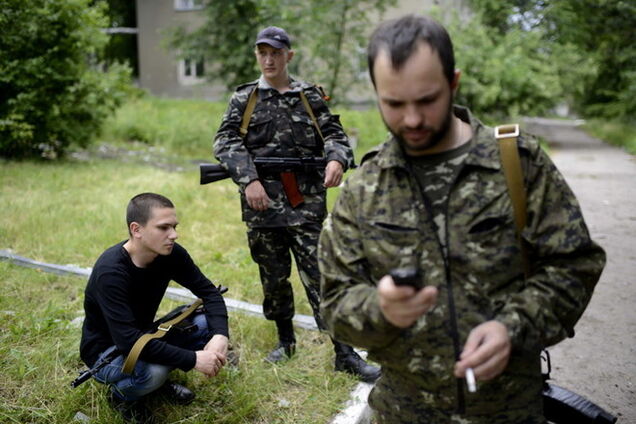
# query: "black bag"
[561,406]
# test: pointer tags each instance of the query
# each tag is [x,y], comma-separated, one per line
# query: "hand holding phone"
[408,276]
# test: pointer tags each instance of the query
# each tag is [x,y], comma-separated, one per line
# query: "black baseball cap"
[274,36]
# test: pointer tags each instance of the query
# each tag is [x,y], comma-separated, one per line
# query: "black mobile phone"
[408,276]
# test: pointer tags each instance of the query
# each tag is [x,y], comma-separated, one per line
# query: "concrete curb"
[356,410]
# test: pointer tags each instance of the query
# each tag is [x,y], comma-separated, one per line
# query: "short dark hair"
[140,207]
[400,38]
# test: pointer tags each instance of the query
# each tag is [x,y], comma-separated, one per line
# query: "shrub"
[52,94]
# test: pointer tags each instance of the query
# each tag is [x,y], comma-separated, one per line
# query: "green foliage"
[503,75]
[180,127]
[618,133]
[328,36]
[50,95]
[591,42]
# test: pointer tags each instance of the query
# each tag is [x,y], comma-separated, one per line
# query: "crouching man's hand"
[211,359]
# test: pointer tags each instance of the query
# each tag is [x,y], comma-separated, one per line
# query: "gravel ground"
[600,361]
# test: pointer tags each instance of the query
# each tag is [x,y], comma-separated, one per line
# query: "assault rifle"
[211,172]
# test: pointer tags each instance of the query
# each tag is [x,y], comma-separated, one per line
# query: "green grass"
[69,211]
[39,358]
[614,132]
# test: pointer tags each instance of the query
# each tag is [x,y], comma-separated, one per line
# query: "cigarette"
[470,380]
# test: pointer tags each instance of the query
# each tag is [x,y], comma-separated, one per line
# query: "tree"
[329,37]
[52,94]
[593,43]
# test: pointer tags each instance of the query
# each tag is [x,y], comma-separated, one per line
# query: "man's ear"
[290,54]
[455,83]
[134,229]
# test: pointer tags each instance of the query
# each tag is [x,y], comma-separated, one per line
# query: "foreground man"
[290,119]
[433,197]
[123,294]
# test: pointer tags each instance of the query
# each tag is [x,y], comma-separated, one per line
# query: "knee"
[151,376]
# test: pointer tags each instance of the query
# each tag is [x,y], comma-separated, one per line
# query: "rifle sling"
[507,136]
[162,330]
[251,104]
[247,114]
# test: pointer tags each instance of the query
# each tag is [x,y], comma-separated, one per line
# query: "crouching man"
[122,296]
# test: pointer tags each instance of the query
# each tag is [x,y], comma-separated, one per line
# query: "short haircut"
[140,207]
[401,37]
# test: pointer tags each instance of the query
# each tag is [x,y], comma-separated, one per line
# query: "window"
[191,71]
[188,5]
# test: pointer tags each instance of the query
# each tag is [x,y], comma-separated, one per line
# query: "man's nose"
[413,117]
[173,234]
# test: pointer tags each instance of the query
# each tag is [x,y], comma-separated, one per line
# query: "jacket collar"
[483,153]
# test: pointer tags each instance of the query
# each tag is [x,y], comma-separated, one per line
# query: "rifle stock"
[211,172]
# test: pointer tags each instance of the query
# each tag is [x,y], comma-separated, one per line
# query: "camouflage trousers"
[270,249]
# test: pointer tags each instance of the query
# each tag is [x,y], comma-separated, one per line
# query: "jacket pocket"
[305,136]
[259,131]
[389,245]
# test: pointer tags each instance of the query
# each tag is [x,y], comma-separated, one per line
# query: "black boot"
[134,412]
[349,361]
[286,346]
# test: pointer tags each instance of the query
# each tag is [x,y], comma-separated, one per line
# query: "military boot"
[286,346]
[347,360]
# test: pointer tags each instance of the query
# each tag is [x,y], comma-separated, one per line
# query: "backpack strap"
[507,136]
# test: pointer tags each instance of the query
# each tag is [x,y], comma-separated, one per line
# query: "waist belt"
[162,330]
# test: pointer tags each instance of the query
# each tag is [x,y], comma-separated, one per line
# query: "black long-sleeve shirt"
[121,301]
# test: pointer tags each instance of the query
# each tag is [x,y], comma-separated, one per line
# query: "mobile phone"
[408,276]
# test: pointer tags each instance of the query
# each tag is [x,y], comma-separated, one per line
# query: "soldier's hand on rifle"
[487,351]
[256,196]
[333,174]
[403,305]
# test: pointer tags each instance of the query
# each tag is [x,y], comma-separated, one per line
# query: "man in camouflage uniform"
[434,197]
[281,126]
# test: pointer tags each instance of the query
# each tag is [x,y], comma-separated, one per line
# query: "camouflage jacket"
[280,126]
[380,222]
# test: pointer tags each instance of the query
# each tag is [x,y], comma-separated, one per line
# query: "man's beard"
[436,136]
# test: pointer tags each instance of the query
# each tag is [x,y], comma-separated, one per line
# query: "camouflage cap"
[274,36]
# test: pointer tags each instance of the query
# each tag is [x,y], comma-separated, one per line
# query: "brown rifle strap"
[251,104]
[247,114]
[507,136]
[163,329]
[311,114]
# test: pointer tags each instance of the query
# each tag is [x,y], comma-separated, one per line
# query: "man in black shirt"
[122,296]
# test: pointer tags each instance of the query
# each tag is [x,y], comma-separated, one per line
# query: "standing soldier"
[278,116]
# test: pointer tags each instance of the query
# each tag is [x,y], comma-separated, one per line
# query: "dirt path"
[600,361]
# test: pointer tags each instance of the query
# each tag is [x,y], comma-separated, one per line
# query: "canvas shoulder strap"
[247,113]
[162,330]
[507,136]
[251,104]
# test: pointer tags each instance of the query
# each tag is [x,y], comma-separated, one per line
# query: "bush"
[52,94]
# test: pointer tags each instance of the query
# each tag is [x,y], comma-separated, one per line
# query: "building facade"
[163,74]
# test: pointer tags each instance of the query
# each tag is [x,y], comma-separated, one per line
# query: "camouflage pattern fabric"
[270,250]
[281,127]
[380,222]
